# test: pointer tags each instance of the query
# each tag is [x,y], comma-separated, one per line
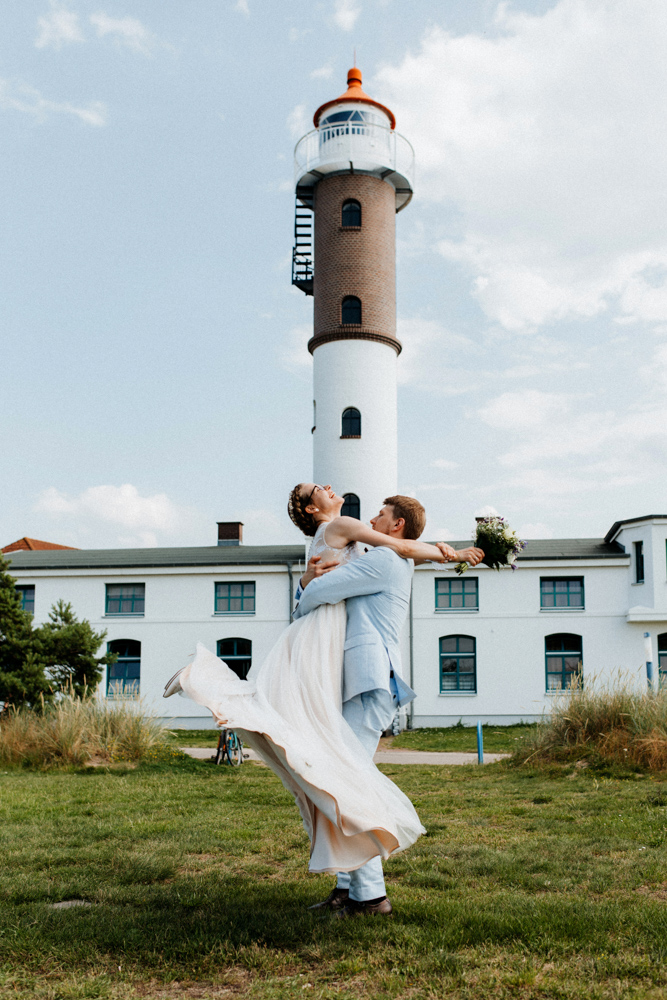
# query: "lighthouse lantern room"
[354,172]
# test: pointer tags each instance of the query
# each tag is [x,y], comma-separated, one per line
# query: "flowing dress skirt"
[289,711]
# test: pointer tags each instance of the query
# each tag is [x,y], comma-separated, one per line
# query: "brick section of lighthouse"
[355,261]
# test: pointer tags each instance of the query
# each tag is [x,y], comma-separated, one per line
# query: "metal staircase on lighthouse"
[302,254]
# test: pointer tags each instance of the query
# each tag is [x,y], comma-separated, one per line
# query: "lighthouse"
[353,173]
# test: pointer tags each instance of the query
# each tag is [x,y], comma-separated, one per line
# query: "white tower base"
[362,374]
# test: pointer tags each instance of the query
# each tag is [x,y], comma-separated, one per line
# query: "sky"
[155,377]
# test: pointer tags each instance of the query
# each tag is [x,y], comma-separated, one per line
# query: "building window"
[460,592]
[351,214]
[237,654]
[639,562]
[27,594]
[123,675]
[351,423]
[564,660]
[235,598]
[662,657]
[351,507]
[125,598]
[350,313]
[457,663]
[562,592]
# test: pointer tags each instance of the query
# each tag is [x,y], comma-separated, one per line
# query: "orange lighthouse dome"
[356,94]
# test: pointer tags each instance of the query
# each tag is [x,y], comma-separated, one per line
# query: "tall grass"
[78,731]
[613,720]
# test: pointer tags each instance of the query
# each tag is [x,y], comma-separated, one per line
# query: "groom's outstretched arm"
[365,575]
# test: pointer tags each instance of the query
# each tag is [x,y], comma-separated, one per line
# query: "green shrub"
[77,730]
[613,720]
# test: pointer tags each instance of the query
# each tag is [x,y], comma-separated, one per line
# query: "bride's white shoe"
[173,685]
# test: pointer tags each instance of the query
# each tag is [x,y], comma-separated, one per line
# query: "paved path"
[382,756]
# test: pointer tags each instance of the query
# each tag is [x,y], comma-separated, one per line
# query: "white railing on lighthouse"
[367,147]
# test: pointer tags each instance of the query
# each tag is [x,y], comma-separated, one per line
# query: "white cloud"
[438,534]
[439,487]
[57,28]
[126,31]
[20,97]
[486,511]
[323,73]
[242,7]
[264,527]
[444,463]
[537,530]
[526,408]
[298,121]
[546,137]
[432,357]
[133,519]
[295,355]
[346,13]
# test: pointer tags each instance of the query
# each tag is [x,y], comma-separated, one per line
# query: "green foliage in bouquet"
[500,543]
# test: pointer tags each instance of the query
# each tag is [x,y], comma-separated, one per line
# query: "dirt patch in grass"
[236,982]
[654,891]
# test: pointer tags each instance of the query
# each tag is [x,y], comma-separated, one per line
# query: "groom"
[376,587]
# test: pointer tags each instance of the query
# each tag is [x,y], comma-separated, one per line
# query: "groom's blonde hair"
[412,513]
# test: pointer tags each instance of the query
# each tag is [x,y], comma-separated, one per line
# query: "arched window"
[350,310]
[237,654]
[351,214]
[662,657]
[564,660]
[352,506]
[351,423]
[458,663]
[123,675]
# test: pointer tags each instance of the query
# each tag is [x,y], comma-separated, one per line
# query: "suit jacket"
[376,587]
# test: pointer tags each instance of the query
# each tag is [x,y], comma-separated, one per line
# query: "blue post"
[480,743]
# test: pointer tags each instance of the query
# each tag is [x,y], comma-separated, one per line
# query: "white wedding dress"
[289,711]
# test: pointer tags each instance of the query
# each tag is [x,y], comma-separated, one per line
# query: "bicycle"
[230,747]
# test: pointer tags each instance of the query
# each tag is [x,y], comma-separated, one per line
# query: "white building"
[490,646]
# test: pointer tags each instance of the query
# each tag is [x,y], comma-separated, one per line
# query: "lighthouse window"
[355,122]
[351,310]
[351,215]
[351,423]
[352,506]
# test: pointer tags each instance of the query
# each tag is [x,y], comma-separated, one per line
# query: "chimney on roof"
[230,532]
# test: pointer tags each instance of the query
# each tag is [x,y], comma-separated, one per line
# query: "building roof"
[617,525]
[571,548]
[353,93]
[210,555]
[266,555]
[32,545]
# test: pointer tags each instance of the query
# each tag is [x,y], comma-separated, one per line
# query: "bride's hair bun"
[296,508]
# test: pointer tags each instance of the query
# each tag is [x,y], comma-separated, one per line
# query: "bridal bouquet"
[501,544]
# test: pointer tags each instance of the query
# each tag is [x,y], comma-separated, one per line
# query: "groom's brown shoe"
[336,900]
[357,909]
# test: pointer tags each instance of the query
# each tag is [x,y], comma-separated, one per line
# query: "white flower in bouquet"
[500,543]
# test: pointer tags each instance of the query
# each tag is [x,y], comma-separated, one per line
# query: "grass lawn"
[529,884]
[497,739]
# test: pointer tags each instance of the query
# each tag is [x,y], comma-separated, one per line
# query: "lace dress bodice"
[320,547]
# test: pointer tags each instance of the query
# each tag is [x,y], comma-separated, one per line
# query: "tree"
[67,647]
[23,679]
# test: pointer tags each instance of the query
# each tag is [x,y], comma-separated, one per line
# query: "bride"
[289,707]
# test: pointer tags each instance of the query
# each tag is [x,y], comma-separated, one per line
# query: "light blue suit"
[377,590]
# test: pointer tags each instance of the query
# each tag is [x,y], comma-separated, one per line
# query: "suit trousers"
[368,715]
